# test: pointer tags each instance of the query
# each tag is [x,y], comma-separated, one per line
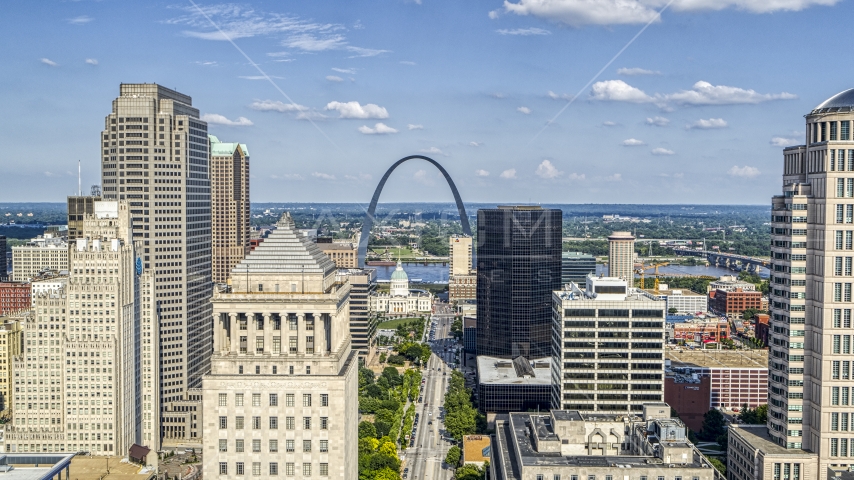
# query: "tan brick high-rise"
[229,206]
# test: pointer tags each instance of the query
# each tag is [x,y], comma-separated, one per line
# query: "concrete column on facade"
[234,337]
[301,333]
[320,334]
[268,332]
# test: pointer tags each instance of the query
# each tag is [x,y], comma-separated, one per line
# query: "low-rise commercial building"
[753,455]
[734,302]
[611,347]
[516,385]
[736,377]
[701,331]
[680,301]
[14,296]
[476,449]
[572,445]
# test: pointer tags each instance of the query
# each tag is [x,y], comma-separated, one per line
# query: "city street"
[425,459]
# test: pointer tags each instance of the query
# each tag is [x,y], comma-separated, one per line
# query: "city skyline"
[663,113]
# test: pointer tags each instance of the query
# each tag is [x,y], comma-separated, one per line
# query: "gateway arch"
[369,220]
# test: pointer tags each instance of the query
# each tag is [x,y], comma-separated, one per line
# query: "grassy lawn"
[392,324]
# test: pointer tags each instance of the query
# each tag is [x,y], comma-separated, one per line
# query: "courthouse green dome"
[399,274]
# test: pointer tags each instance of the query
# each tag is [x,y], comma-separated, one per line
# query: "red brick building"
[734,302]
[761,328]
[14,297]
[691,398]
[704,332]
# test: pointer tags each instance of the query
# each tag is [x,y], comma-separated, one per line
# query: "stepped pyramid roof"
[286,251]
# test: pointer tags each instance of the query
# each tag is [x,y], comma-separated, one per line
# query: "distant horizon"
[451,203]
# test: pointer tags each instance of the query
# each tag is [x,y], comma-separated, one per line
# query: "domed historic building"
[401,300]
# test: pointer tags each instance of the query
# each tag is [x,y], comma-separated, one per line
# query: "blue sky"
[695,110]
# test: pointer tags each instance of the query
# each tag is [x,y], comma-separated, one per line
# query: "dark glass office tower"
[518,268]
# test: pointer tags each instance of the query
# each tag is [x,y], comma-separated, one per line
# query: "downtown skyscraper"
[229,206]
[518,268]
[156,158]
[810,364]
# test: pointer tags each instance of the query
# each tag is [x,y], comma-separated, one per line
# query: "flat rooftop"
[757,435]
[501,371]
[530,457]
[717,358]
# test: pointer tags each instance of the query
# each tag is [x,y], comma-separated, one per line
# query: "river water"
[438,273]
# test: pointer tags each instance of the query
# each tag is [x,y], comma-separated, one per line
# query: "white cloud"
[609,123]
[614,178]
[618,91]
[617,12]
[206,63]
[493,14]
[657,121]
[547,170]
[379,129]
[81,20]
[50,174]
[745,171]
[362,177]
[675,175]
[323,176]
[348,71]
[415,127]
[218,119]
[312,43]
[701,93]
[576,177]
[422,177]
[359,52]
[631,72]
[783,142]
[50,62]
[234,21]
[524,31]
[508,174]
[276,106]
[707,124]
[356,110]
[91,61]
[481,173]
[434,151]
[525,110]
[290,176]
[407,62]
[662,151]
[704,93]
[334,78]
[498,95]
[476,144]
[555,96]
[633,142]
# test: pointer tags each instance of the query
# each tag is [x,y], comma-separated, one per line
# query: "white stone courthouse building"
[282,396]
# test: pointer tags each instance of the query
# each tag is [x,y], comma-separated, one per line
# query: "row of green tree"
[461,417]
